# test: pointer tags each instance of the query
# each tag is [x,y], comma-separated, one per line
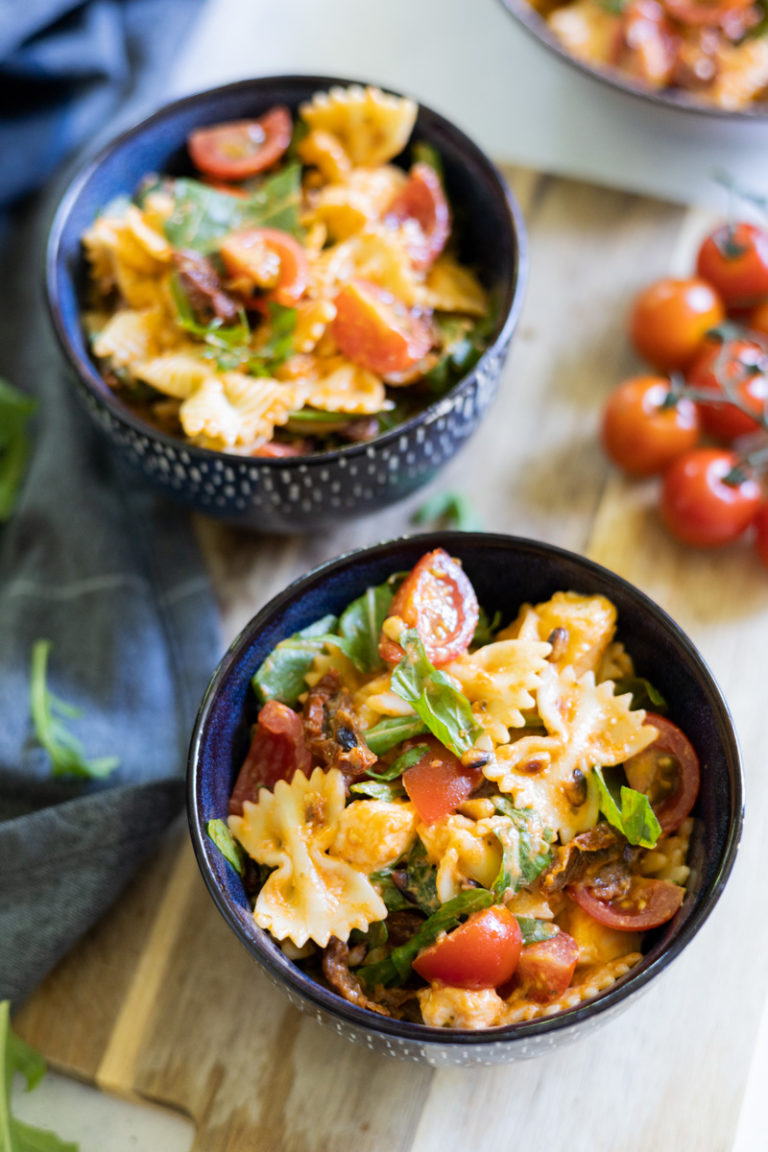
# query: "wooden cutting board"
[161,1002]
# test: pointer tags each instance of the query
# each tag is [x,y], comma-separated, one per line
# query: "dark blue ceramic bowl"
[306,493]
[505,571]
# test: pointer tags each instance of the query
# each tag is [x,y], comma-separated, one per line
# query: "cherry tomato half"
[761,533]
[423,201]
[647,904]
[481,953]
[670,318]
[646,45]
[377,331]
[437,599]
[267,258]
[241,148]
[645,427]
[438,783]
[277,751]
[699,507]
[734,259]
[667,771]
[757,320]
[546,968]
[739,366]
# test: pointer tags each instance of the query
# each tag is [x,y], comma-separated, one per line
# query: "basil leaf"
[378,790]
[281,675]
[525,847]
[392,731]
[449,510]
[534,931]
[396,968]
[422,879]
[403,762]
[16,408]
[16,1056]
[636,819]
[201,216]
[644,695]
[446,712]
[360,627]
[230,849]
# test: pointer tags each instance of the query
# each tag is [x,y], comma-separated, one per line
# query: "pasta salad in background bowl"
[288,300]
[462,795]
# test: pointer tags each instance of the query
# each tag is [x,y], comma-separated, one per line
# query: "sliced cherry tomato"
[481,953]
[646,45]
[757,320]
[761,533]
[645,427]
[708,498]
[707,13]
[277,751]
[670,318]
[377,331]
[276,449]
[734,259]
[423,201]
[437,599]
[546,968]
[241,148]
[438,783]
[741,367]
[647,904]
[667,771]
[269,259]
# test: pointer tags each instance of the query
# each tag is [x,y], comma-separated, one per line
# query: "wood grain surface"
[161,1002]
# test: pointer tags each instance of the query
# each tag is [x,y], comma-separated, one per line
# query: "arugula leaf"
[635,819]
[201,216]
[66,751]
[378,789]
[422,879]
[533,931]
[281,675]
[644,695]
[16,1056]
[16,408]
[525,847]
[392,731]
[485,632]
[360,627]
[449,510]
[396,968]
[425,153]
[403,762]
[230,345]
[230,849]
[446,712]
[392,896]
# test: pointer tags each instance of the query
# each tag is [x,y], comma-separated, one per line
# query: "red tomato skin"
[698,508]
[438,783]
[277,751]
[378,332]
[438,600]
[423,200]
[743,365]
[669,319]
[238,149]
[294,265]
[674,808]
[734,259]
[646,45]
[648,904]
[640,434]
[546,968]
[481,953]
[761,533]
[757,320]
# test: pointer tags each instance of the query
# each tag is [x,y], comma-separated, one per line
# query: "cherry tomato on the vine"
[667,771]
[734,259]
[670,318]
[438,600]
[741,367]
[481,953]
[645,426]
[708,497]
[647,904]
[238,149]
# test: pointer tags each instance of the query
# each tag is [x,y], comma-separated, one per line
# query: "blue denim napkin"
[91,559]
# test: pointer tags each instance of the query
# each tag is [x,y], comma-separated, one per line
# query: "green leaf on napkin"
[16,1056]
[15,411]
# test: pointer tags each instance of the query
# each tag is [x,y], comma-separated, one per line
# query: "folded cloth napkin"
[91,560]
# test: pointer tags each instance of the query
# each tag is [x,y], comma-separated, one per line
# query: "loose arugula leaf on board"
[202,215]
[635,818]
[534,931]
[16,1056]
[378,789]
[396,968]
[65,750]
[15,411]
[446,712]
[360,627]
[525,848]
[281,675]
[449,510]
[222,837]
[392,731]
[644,695]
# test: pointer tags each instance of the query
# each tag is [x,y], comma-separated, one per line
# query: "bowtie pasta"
[301,291]
[454,822]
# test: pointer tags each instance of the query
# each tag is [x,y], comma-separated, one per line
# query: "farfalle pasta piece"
[372,126]
[374,833]
[587,983]
[177,374]
[360,200]
[312,320]
[376,255]
[310,895]
[232,409]
[341,386]
[325,152]
[130,336]
[580,628]
[741,73]
[463,850]
[499,679]
[450,287]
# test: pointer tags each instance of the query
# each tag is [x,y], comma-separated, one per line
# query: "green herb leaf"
[448,510]
[16,1056]
[230,849]
[485,632]
[534,931]
[16,408]
[525,847]
[388,733]
[392,896]
[424,153]
[230,346]
[65,750]
[403,762]
[281,676]
[446,712]
[635,819]
[378,789]
[201,216]
[422,879]
[644,695]
[360,627]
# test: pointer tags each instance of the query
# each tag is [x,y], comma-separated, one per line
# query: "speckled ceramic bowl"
[303,493]
[505,572]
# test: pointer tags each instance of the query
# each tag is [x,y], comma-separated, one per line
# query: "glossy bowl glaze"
[505,571]
[308,493]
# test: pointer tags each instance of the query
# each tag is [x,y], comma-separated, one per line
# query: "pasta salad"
[300,291]
[456,822]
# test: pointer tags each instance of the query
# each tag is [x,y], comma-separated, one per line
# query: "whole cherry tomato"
[423,201]
[238,149]
[645,426]
[438,783]
[377,331]
[708,497]
[734,259]
[667,771]
[438,600]
[761,533]
[267,258]
[738,366]
[481,953]
[670,318]
[647,904]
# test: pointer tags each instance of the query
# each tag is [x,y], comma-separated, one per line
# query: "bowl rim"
[286,972]
[537,27]
[93,382]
